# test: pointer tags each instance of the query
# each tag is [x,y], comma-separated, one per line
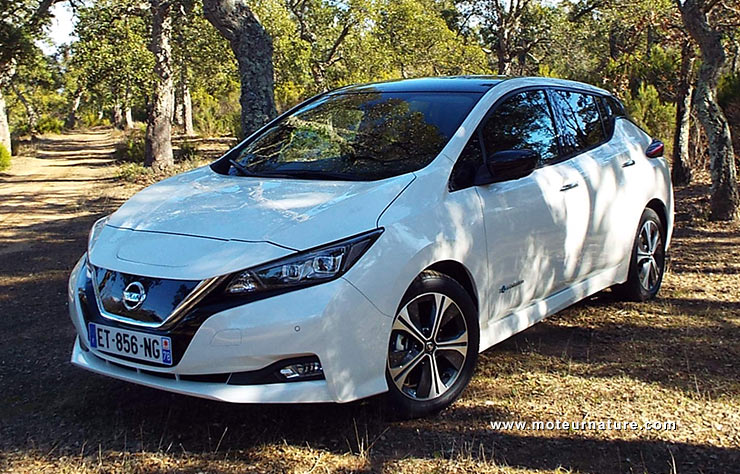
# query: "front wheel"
[433,346]
[647,262]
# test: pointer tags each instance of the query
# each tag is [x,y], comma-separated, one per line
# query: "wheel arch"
[458,272]
[660,208]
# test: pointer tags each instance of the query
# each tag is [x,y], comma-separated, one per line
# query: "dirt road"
[673,359]
[51,185]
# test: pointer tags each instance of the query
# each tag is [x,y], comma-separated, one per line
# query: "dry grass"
[672,359]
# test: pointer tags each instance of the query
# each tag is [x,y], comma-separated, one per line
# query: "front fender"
[426,224]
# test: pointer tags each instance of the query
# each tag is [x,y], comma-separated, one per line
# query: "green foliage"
[90,118]
[200,53]
[728,95]
[417,41]
[214,116]
[515,33]
[21,25]
[133,172]
[35,92]
[187,151]
[728,90]
[322,45]
[110,59]
[4,157]
[630,48]
[648,111]
[50,124]
[133,148]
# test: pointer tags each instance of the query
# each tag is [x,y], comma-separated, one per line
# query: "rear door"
[593,241]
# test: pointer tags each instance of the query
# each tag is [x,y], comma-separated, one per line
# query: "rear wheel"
[433,346]
[647,263]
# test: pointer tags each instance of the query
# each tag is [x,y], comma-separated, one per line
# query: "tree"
[184,19]
[21,23]
[725,200]
[36,79]
[252,46]
[324,27]
[110,62]
[159,114]
[681,171]
[417,41]
[512,29]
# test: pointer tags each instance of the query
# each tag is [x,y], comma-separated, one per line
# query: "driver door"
[524,218]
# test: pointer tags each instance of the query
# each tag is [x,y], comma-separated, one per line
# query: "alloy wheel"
[650,256]
[428,346]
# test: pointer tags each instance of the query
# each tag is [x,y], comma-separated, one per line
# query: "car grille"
[162,296]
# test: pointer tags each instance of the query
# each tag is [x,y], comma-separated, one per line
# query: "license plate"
[133,344]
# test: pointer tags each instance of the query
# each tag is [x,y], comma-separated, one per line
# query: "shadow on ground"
[48,405]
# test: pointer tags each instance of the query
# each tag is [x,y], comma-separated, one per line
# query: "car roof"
[473,83]
[479,84]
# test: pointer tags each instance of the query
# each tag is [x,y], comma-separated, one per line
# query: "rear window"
[356,136]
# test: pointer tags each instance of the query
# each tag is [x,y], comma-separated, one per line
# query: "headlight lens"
[304,269]
[95,232]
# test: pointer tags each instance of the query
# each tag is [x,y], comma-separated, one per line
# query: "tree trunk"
[503,62]
[159,121]
[253,49]
[4,126]
[117,116]
[725,199]
[71,120]
[177,115]
[33,118]
[187,107]
[128,120]
[681,172]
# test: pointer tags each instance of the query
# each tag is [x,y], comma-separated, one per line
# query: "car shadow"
[47,404]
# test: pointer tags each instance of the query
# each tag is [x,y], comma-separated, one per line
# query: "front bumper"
[332,321]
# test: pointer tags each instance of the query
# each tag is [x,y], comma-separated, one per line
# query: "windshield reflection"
[357,136]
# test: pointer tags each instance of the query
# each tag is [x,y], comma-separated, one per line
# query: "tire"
[647,261]
[419,348]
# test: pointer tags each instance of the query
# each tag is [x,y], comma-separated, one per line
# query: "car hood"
[178,257]
[292,213]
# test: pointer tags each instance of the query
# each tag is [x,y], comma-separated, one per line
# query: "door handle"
[628,163]
[569,186]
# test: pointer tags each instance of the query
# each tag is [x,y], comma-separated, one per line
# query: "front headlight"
[95,232]
[304,269]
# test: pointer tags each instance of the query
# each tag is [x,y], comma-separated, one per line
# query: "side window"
[578,117]
[607,118]
[614,107]
[467,165]
[522,121]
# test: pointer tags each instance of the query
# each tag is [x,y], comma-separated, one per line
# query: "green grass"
[4,158]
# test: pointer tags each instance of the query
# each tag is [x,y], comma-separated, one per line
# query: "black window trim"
[547,89]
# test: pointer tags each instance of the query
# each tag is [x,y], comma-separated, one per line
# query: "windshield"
[358,136]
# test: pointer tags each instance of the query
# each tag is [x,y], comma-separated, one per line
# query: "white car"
[375,239]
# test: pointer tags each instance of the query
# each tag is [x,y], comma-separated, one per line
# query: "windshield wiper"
[360,157]
[310,174]
[241,168]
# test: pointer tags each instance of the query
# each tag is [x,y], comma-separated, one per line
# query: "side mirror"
[655,149]
[508,165]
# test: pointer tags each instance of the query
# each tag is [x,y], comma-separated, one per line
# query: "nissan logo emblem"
[133,295]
